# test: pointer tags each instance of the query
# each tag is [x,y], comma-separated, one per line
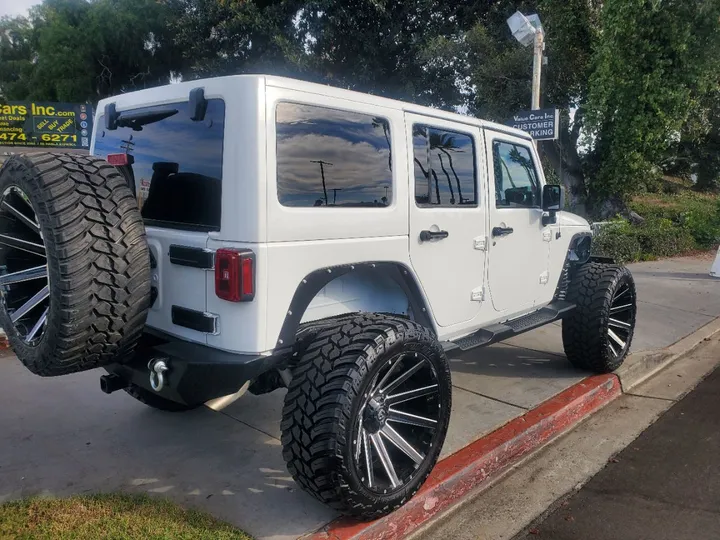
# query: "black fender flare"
[576,255]
[313,283]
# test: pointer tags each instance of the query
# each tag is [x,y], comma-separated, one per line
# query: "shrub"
[617,240]
[697,214]
[657,237]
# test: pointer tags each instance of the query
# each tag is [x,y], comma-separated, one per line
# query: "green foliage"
[73,50]
[641,76]
[236,36]
[653,60]
[16,51]
[114,515]
[675,224]
[653,239]
[695,213]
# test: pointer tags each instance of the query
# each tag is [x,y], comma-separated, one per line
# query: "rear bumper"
[196,373]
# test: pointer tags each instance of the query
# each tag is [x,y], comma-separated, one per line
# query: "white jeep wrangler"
[255,232]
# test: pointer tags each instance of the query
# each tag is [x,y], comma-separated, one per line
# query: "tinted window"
[329,157]
[516,181]
[177,163]
[444,168]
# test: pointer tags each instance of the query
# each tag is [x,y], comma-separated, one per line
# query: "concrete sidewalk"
[64,436]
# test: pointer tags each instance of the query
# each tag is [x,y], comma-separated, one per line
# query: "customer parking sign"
[542,124]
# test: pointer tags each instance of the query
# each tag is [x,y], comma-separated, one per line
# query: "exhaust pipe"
[112,382]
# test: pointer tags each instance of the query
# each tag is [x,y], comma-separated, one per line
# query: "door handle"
[426,236]
[502,231]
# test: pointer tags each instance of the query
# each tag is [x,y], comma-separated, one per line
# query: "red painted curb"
[455,476]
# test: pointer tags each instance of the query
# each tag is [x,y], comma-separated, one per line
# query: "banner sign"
[542,124]
[54,125]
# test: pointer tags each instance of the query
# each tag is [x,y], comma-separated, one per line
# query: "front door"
[447,222]
[519,243]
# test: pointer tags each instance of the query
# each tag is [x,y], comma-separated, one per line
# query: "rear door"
[519,247]
[175,164]
[447,224]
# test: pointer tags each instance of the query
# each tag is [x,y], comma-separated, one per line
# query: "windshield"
[174,163]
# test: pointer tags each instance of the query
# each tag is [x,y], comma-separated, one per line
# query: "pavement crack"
[492,398]
[669,400]
[248,425]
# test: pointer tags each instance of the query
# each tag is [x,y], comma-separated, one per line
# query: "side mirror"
[553,200]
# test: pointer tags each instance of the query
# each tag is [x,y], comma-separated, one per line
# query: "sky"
[16,7]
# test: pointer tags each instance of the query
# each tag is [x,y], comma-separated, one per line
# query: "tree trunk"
[568,165]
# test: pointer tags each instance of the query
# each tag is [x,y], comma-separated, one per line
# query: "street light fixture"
[528,30]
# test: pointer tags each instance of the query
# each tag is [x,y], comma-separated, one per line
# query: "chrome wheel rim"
[24,283]
[397,423]
[620,321]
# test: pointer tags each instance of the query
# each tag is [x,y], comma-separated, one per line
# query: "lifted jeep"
[255,232]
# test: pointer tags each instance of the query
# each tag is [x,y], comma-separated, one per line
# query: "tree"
[16,53]
[654,60]
[237,36]
[379,46]
[495,71]
[73,50]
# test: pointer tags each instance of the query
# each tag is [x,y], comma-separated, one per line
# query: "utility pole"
[529,31]
[537,71]
[537,68]
[322,174]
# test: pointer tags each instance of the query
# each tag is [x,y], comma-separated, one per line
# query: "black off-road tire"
[98,262]
[585,332]
[323,398]
[155,401]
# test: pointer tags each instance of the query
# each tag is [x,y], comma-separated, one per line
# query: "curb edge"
[639,367]
[462,472]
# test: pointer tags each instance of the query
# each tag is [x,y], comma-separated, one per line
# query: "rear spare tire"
[74,263]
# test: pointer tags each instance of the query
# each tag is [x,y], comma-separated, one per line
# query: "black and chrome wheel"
[23,266]
[366,414]
[74,263]
[598,334]
[621,319]
[397,422]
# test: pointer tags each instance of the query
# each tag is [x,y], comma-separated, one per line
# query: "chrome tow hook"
[158,367]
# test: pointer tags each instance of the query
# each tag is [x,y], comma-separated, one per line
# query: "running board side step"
[502,331]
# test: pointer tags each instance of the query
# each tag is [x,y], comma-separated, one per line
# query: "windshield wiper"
[134,119]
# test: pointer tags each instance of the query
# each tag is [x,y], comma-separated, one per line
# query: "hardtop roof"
[379,101]
[155,94]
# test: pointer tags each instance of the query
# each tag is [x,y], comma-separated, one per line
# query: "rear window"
[176,164]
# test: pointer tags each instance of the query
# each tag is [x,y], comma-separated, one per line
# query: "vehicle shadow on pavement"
[513,375]
[509,361]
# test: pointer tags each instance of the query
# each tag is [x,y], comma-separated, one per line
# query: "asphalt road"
[664,485]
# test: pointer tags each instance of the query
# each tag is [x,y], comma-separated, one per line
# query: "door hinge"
[480,243]
[544,278]
[478,295]
[547,235]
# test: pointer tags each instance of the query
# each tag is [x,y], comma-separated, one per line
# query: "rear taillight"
[119,160]
[235,275]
